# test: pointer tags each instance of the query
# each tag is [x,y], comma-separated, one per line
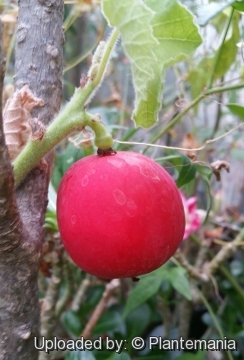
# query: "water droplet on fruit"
[73,219]
[85,180]
[119,196]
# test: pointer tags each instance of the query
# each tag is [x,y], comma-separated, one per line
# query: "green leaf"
[204,171]
[179,281]
[187,172]
[51,221]
[236,110]
[229,49]
[198,76]
[200,355]
[138,321]
[209,11]
[79,355]
[175,30]
[109,321]
[67,158]
[122,356]
[154,34]
[146,288]
[72,323]
[239,5]
[198,79]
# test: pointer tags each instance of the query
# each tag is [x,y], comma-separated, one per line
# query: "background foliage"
[181,82]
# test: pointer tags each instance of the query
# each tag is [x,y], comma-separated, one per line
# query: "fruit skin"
[119,216]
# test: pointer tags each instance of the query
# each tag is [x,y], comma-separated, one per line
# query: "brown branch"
[80,294]
[38,56]
[192,271]
[9,217]
[48,304]
[185,311]
[225,253]
[99,309]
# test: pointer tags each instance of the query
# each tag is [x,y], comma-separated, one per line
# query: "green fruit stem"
[72,118]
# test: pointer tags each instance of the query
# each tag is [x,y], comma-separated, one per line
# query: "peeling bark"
[38,64]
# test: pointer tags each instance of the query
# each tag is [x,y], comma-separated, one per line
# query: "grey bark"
[38,55]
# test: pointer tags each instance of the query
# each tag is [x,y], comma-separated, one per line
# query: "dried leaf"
[189,142]
[217,166]
[37,128]
[17,120]
[215,233]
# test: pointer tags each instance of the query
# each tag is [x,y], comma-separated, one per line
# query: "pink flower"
[192,214]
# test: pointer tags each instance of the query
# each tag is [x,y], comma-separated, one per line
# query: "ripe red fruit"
[120,215]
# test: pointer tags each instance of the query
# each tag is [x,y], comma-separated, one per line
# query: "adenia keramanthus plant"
[119,214]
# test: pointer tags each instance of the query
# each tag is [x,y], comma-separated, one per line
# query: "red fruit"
[120,215]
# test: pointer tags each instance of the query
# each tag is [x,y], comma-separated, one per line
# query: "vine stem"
[193,103]
[72,118]
[215,320]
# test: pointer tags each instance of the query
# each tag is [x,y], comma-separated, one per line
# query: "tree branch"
[38,55]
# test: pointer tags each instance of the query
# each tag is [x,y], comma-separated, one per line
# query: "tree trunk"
[39,58]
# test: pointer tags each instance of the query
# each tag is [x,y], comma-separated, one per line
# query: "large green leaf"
[229,49]
[200,355]
[109,321]
[238,5]
[146,288]
[154,34]
[71,322]
[138,320]
[122,356]
[187,172]
[179,280]
[236,110]
[79,355]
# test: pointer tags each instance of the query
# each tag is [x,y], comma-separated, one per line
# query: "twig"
[215,320]
[80,294]
[192,271]
[225,253]
[202,254]
[207,142]
[99,309]
[185,311]
[191,105]
[48,304]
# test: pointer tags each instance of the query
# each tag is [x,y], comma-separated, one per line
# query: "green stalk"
[215,320]
[72,118]
[36,149]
